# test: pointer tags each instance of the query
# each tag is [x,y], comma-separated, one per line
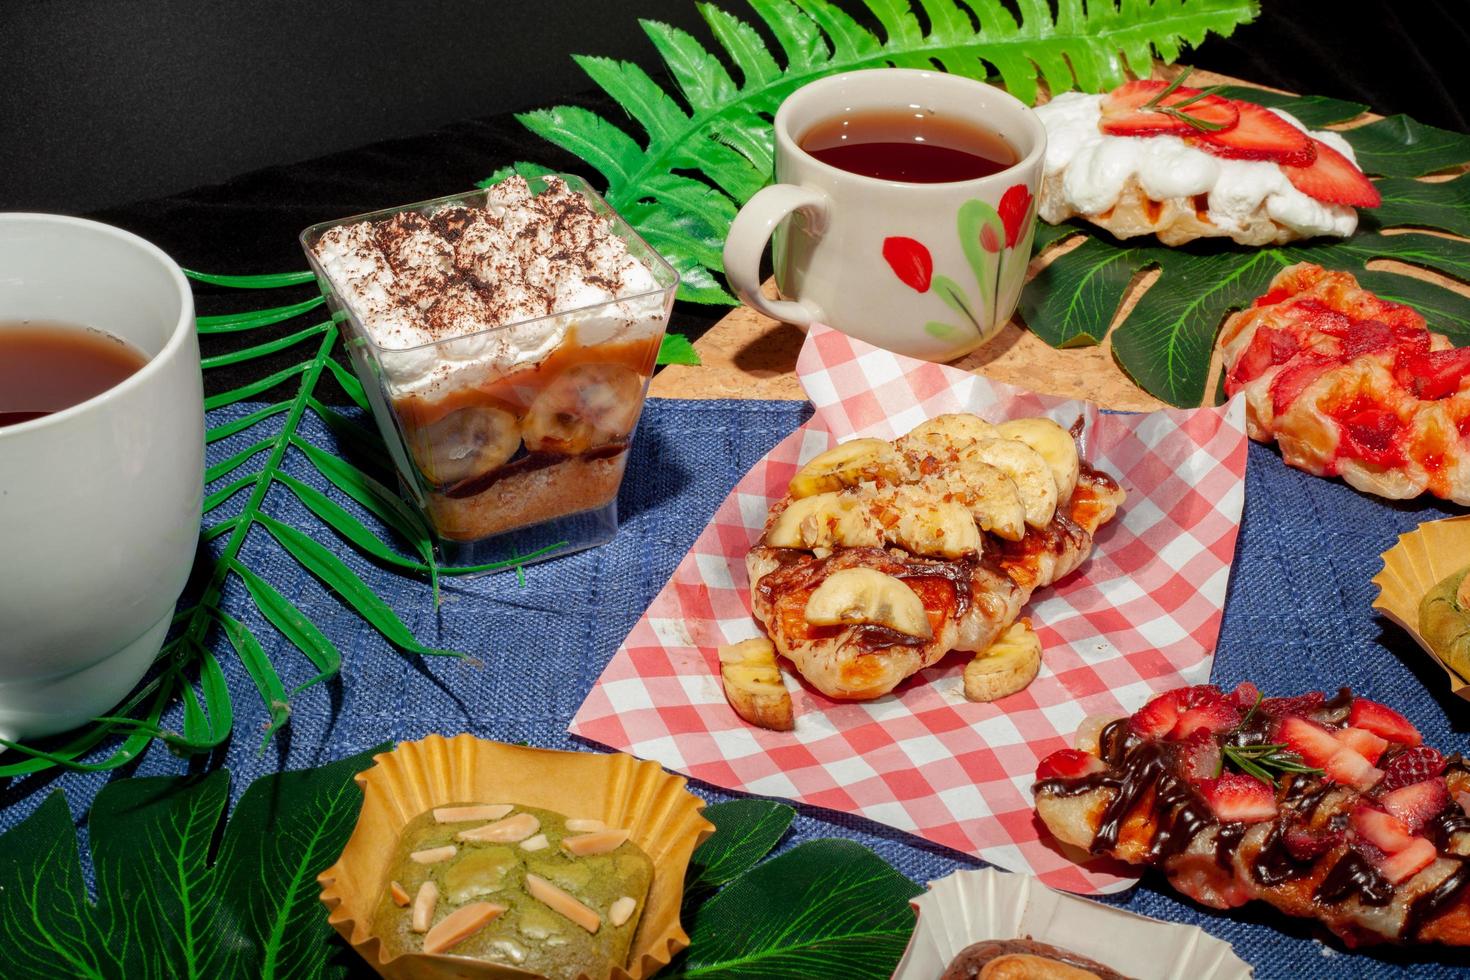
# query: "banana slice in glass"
[584,407]
[847,465]
[1054,444]
[1006,666]
[866,595]
[826,520]
[1029,471]
[465,443]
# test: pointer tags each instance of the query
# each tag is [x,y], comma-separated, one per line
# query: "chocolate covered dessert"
[1024,959]
[513,341]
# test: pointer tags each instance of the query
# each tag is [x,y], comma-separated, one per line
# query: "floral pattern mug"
[930,270]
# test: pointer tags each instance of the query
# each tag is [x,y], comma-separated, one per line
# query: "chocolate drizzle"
[1352,875]
[1436,900]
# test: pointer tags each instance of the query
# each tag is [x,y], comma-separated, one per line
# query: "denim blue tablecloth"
[1298,618]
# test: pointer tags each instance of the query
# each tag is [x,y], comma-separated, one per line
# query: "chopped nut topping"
[620,910]
[460,924]
[434,854]
[480,811]
[507,831]
[559,901]
[578,825]
[537,843]
[399,893]
[586,845]
[423,907]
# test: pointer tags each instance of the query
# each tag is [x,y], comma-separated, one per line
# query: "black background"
[104,102]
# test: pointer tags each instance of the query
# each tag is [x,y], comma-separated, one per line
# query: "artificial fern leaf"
[710,129]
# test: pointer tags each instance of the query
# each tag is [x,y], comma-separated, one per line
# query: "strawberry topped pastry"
[1326,808]
[1352,385]
[1161,158]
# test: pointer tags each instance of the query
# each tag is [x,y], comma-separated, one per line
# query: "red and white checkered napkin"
[1141,616]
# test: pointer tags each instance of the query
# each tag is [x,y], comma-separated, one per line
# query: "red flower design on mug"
[910,261]
[989,240]
[1015,204]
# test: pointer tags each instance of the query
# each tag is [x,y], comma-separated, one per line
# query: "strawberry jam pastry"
[1352,385]
[1326,808]
[1160,158]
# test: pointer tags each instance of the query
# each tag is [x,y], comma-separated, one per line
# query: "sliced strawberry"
[1069,764]
[1307,739]
[1299,706]
[1363,742]
[1317,315]
[1238,797]
[1306,844]
[1272,296]
[1157,718]
[1331,178]
[1437,374]
[1259,134]
[1212,717]
[1372,435]
[1383,830]
[1351,769]
[1408,862]
[1412,766]
[1369,337]
[1416,803]
[1200,755]
[1217,115]
[1383,720]
[1130,95]
[1267,348]
[1245,695]
[1293,379]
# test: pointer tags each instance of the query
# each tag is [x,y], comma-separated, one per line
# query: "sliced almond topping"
[559,901]
[399,893]
[620,910]
[479,811]
[423,907]
[579,825]
[507,831]
[460,925]
[435,854]
[537,843]
[586,845]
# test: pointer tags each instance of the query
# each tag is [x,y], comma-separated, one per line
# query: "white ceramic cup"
[100,502]
[928,270]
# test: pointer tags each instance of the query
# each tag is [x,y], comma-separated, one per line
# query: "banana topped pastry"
[884,556]
[1352,385]
[1326,808]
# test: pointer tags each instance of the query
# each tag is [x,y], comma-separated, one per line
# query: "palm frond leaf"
[700,148]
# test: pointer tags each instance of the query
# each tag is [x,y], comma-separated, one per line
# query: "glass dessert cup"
[513,439]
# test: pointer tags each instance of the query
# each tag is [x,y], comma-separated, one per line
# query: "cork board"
[747,355]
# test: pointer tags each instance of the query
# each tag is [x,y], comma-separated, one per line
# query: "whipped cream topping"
[461,294]
[1098,165]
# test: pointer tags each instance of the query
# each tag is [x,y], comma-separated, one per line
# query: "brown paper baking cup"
[663,816]
[1421,560]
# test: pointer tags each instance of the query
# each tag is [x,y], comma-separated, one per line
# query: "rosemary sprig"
[1176,110]
[1260,760]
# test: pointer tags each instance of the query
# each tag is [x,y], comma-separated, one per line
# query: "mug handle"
[752,230]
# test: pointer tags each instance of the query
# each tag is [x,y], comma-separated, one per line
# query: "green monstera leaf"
[1165,342]
[167,905]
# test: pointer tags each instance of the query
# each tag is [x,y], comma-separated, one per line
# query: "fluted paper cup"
[662,815]
[973,906]
[1422,559]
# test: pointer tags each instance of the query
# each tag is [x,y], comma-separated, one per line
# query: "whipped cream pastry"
[463,294]
[1095,167]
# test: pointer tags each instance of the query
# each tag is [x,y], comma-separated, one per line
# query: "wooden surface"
[747,355]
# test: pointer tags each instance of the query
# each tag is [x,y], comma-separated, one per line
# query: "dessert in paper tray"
[1140,616]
